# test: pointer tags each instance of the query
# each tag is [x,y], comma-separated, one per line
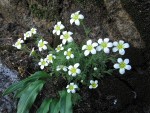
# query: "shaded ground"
[116,94]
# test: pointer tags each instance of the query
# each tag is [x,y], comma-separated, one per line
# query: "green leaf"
[33,77]
[75,98]
[55,106]
[14,87]
[28,97]
[65,102]
[44,108]
[38,75]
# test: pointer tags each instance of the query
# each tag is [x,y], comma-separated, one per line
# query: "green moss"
[43,12]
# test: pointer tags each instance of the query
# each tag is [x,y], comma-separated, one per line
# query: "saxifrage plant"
[77,64]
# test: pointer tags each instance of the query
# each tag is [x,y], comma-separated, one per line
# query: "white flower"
[74,70]
[57,28]
[66,37]
[95,68]
[68,54]
[18,43]
[104,45]
[89,48]
[75,17]
[50,58]
[27,35]
[42,45]
[122,65]
[43,63]
[32,52]
[59,48]
[94,84]
[61,67]
[33,31]
[71,88]
[120,46]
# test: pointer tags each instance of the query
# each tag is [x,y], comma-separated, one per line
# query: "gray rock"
[7,77]
[120,24]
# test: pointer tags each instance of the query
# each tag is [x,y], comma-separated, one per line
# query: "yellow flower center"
[41,44]
[69,53]
[57,28]
[89,47]
[43,62]
[76,17]
[32,30]
[58,48]
[122,65]
[66,36]
[104,44]
[120,46]
[71,87]
[50,58]
[18,43]
[73,70]
[94,85]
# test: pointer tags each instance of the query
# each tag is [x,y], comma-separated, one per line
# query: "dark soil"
[129,93]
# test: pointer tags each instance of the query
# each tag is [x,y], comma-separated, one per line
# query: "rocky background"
[117,19]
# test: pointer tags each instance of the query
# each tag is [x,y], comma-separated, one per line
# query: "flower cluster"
[105,45]
[44,62]
[69,61]
[30,33]
[26,35]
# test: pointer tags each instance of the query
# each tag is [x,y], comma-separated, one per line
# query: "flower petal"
[109,44]
[121,51]
[69,73]
[44,47]
[83,47]
[93,51]
[70,33]
[68,90]
[126,45]
[98,48]
[89,42]
[121,71]
[96,81]
[119,60]
[126,61]
[64,41]
[91,81]
[106,40]
[78,71]
[100,41]
[62,26]
[58,32]
[76,65]
[73,91]
[121,41]
[106,50]
[115,43]
[59,23]
[115,49]
[116,66]
[90,87]
[128,67]
[77,22]
[81,16]
[94,44]
[86,52]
